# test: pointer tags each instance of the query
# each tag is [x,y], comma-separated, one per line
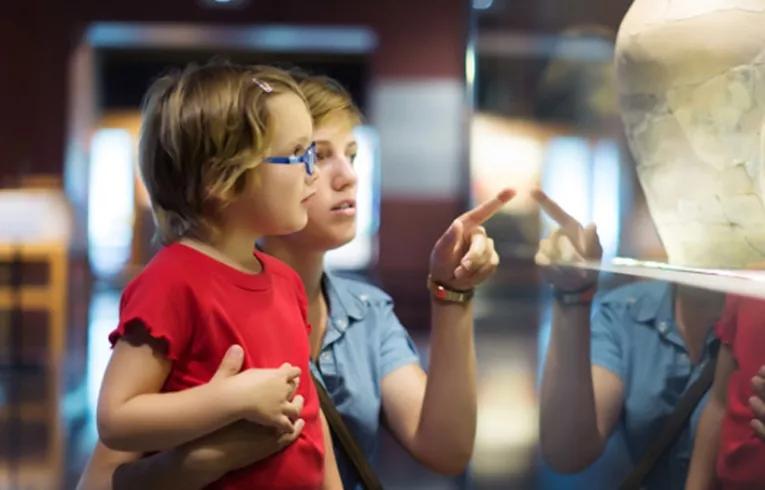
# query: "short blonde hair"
[326,97]
[203,129]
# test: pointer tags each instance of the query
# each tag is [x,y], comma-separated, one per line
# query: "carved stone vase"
[691,81]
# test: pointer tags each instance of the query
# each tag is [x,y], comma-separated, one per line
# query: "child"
[727,453]
[217,147]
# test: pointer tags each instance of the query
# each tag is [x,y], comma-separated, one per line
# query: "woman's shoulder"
[359,289]
[636,291]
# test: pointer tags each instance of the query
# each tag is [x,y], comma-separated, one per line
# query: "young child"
[728,454]
[226,157]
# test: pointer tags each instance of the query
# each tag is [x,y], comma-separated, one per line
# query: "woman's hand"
[569,244]
[464,256]
[236,446]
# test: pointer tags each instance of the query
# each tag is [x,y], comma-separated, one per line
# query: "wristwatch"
[442,293]
[583,296]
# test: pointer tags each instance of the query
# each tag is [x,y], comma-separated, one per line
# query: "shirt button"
[363,297]
[341,323]
[325,357]
[663,327]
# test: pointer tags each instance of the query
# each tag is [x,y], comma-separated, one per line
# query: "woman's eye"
[320,155]
[299,150]
[352,157]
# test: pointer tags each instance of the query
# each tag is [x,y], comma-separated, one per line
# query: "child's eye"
[299,150]
[352,157]
[320,155]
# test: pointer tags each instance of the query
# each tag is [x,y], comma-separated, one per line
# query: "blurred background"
[461,97]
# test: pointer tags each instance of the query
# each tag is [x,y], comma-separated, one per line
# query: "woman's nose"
[346,173]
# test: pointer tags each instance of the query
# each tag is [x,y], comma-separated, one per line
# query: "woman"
[624,363]
[363,355]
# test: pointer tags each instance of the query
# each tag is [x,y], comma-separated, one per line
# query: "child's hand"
[757,403]
[464,256]
[265,396]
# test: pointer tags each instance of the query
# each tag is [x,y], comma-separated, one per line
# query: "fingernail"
[235,351]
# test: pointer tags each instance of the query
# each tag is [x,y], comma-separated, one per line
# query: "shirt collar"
[345,307]
[654,306]
[657,308]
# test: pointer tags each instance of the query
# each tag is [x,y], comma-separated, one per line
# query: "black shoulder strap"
[672,427]
[346,440]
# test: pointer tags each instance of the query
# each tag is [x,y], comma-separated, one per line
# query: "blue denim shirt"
[364,341]
[634,335]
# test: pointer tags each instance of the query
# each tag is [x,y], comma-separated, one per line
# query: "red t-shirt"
[200,307]
[741,455]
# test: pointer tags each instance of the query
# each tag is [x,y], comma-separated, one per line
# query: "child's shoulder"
[169,268]
[277,268]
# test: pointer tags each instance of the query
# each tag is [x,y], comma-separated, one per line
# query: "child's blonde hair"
[203,129]
[326,98]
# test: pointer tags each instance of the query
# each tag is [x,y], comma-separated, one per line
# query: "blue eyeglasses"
[308,159]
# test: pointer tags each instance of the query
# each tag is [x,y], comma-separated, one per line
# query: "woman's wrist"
[581,296]
[442,293]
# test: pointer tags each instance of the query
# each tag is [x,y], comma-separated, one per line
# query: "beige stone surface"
[691,77]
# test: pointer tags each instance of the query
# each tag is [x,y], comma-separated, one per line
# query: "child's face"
[332,210]
[275,197]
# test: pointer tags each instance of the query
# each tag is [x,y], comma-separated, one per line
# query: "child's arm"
[133,416]
[332,479]
[701,475]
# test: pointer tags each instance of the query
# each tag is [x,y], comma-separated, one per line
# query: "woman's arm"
[701,474]
[332,479]
[192,465]
[580,403]
[188,467]
[134,416]
[434,416]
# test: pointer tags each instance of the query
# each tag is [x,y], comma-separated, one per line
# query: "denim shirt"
[364,342]
[634,335]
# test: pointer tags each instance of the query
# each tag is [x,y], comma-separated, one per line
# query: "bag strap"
[351,448]
[672,427]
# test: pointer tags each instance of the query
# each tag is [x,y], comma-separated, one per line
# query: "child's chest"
[749,341]
[269,327]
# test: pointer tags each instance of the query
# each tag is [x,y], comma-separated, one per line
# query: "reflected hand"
[757,403]
[569,244]
[464,256]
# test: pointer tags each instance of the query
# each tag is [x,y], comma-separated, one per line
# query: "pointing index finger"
[481,213]
[568,223]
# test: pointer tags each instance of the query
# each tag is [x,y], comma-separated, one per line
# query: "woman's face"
[332,209]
